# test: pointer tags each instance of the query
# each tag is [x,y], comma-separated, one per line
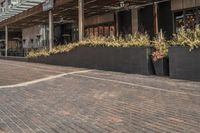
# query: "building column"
[81,19]
[134,20]
[51,30]
[6,40]
[155,14]
[116,24]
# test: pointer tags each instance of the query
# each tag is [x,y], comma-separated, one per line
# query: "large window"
[179,20]
[187,18]
[100,30]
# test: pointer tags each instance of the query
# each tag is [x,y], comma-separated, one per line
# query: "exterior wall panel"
[99,19]
[134,20]
[176,4]
[189,3]
[183,4]
[197,2]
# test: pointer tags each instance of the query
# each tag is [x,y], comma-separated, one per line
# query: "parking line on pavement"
[133,84]
[43,79]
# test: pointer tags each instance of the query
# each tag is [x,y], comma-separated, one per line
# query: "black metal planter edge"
[161,67]
[184,64]
[129,60]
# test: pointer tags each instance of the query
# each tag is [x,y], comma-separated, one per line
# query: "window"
[179,20]
[100,30]
[190,19]
[187,18]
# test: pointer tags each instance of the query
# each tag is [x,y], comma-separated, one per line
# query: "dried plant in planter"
[187,37]
[161,47]
[137,40]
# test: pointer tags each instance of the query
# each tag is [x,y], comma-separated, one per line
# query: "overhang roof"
[23,5]
[66,9]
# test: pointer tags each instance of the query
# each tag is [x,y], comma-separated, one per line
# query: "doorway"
[145,20]
[125,22]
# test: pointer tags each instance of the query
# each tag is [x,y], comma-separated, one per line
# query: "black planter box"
[161,67]
[184,64]
[130,60]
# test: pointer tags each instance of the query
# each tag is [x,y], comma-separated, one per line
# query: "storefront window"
[190,19]
[112,31]
[96,31]
[179,20]
[87,32]
[187,18]
[100,30]
[198,16]
[107,31]
[91,32]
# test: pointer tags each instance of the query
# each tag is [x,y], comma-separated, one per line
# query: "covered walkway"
[55,12]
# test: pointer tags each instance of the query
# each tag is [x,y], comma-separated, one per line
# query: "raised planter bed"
[161,67]
[184,64]
[131,60]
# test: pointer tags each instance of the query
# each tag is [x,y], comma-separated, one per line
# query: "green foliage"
[187,37]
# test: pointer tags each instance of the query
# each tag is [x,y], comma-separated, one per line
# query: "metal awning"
[23,5]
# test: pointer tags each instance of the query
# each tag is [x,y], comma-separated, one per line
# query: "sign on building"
[48,5]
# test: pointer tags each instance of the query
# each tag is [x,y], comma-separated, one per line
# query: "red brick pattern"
[95,102]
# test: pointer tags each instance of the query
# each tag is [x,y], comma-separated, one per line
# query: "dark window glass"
[179,20]
[106,31]
[198,16]
[190,19]
[101,32]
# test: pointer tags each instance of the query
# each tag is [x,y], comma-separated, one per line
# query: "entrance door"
[145,20]
[165,18]
[124,22]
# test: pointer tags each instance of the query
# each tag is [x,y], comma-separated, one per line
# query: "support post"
[81,19]
[155,12]
[51,30]
[116,24]
[6,40]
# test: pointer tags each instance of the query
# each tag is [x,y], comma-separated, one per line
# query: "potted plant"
[184,54]
[160,55]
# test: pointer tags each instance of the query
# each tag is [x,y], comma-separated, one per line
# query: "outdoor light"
[122,4]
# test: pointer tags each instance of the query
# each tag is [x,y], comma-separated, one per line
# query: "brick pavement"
[95,102]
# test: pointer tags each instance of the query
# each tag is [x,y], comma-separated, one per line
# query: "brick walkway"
[94,101]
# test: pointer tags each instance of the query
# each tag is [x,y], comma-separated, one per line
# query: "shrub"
[136,40]
[187,37]
[161,47]
[101,41]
